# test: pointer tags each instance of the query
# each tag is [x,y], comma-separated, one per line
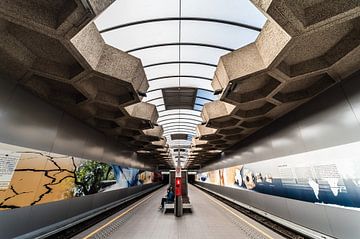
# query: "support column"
[178,209]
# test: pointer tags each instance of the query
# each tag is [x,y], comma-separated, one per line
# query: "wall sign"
[8,164]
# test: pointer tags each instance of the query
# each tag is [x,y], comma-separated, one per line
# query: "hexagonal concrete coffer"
[152,147]
[254,109]
[195,141]
[130,132]
[124,139]
[216,111]
[139,145]
[210,137]
[141,115]
[103,111]
[301,16]
[56,17]
[306,39]
[230,131]
[196,149]
[54,91]
[153,134]
[217,142]
[199,143]
[123,66]
[86,77]
[114,76]
[206,146]
[163,149]
[206,133]
[250,89]
[159,144]
[304,88]
[37,53]
[256,123]
[103,124]
[113,92]
[321,49]
[222,122]
[234,137]
[238,64]
[216,85]
[203,146]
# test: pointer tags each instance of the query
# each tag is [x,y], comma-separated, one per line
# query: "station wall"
[304,167]
[38,220]
[27,121]
[45,155]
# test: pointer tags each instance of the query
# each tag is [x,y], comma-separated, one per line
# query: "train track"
[276,227]
[82,226]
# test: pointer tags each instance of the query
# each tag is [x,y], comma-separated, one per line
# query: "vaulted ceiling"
[179,43]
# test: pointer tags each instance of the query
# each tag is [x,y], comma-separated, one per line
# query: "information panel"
[8,164]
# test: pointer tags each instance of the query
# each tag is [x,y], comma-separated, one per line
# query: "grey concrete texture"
[304,48]
[53,49]
[56,18]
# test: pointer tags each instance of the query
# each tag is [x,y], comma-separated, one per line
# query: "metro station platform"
[256,102]
[210,219]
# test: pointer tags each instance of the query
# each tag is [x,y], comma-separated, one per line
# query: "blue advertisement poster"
[328,176]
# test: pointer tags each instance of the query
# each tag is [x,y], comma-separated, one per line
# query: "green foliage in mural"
[90,176]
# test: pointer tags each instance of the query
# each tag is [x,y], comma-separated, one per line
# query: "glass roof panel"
[167,117]
[125,11]
[162,70]
[200,101]
[179,121]
[176,124]
[181,126]
[181,111]
[206,94]
[185,69]
[201,54]
[184,82]
[232,10]
[178,128]
[198,107]
[177,117]
[157,54]
[152,95]
[130,38]
[160,108]
[199,70]
[171,54]
[179,131]
[157,101]
[178,142]
[216,34]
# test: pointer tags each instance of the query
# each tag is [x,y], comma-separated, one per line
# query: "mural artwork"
[29,177]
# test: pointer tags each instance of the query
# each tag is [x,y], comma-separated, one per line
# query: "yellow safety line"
[114,219]
[242,219]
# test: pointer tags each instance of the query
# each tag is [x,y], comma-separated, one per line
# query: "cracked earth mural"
[32,177]
[39,178]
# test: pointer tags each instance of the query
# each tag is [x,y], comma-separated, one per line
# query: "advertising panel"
[328,176]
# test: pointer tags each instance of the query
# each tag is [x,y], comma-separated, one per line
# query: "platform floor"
[210,219]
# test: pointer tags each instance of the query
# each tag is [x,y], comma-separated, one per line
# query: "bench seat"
[172,205]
